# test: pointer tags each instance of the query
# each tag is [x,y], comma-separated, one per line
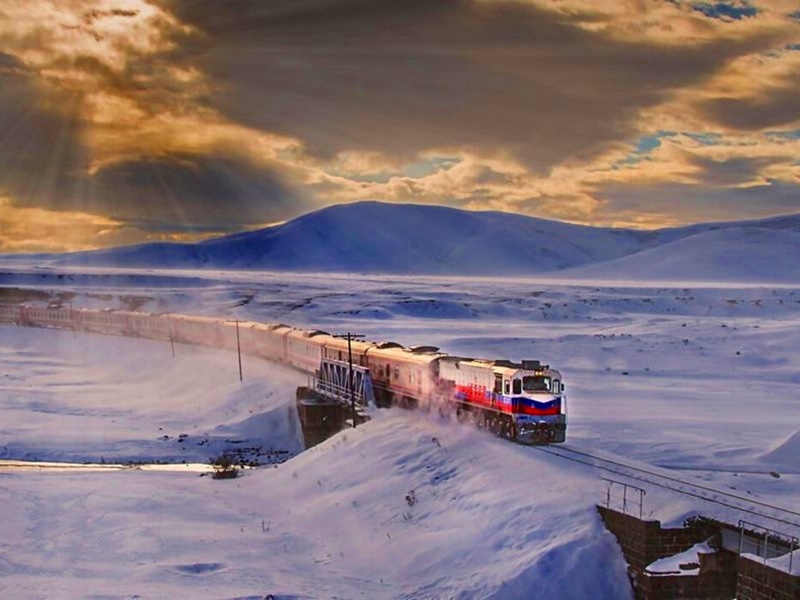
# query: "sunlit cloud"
[39,230]
[148,118]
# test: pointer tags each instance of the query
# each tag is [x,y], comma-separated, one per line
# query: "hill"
[373,237]
[407,239]
[733,254]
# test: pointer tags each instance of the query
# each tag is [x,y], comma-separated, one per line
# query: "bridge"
[333,384]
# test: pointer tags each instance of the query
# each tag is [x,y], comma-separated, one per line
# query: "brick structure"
[758,581]
[643,542]
[715,581]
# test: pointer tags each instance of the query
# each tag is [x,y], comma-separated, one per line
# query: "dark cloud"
[40,150]
[399,77]
[776,106]
[198,192]
[43,163]
[730,173]
[696,203]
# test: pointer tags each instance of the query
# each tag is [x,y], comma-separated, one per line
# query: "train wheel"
[512,431]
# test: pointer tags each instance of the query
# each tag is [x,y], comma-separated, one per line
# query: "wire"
[747,501]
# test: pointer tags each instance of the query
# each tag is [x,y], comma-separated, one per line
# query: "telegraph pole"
[171,341]
[239,349]
[350,337]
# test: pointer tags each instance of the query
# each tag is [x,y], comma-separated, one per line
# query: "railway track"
[655,476]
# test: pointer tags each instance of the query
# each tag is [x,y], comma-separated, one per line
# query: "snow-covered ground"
[702,380]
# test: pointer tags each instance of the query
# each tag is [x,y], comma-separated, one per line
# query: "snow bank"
[785,452]
[735,254]
[671,565]
[401,507]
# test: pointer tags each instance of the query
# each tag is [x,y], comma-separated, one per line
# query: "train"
[523,401]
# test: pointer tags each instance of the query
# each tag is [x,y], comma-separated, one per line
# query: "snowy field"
[704,381]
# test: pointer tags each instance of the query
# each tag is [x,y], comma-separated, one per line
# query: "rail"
[695,490]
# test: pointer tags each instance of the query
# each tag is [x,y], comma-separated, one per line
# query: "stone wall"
[643,542]
[319,419]
[716,581]
[757,581]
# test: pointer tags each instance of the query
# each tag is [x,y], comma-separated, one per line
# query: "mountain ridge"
[412,239]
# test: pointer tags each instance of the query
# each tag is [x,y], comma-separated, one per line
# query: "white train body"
[523,401]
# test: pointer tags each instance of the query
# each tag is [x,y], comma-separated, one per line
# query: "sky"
[123,121]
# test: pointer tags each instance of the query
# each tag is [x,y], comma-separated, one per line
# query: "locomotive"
[522,401]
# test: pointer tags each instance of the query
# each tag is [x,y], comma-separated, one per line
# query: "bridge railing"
[333,382]
[624,497]
[767,544]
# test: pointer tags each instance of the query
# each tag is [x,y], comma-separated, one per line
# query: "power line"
[350,337]
[746,501]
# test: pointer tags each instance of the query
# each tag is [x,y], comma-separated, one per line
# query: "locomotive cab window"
[498,383]
[507,387]
[536,383]
[556,386]
[517,386]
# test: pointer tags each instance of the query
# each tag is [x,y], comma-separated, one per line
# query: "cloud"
[696,203]
[403,77]
[174,116]
[192,191]
[100,153]
[25,229]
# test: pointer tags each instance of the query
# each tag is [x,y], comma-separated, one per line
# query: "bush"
[224,467]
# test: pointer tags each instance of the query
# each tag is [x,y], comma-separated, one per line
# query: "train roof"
[397,352]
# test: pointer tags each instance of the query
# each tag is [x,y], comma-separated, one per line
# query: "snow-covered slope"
[735,254]
[373,237]
[702,380]
[405,506]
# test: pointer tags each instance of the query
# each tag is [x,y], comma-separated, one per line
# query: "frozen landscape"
[683,355]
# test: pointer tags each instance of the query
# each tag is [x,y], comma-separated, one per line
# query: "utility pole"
[350,337]
[171,341]
[239,349]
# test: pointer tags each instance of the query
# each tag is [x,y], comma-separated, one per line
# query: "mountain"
[373,237]
[404,239]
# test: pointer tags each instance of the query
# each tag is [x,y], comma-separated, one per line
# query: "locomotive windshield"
[536,383]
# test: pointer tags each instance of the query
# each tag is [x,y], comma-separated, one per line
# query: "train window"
[507,388]
[396,373]
[517,386]
[498,383]
[556,386]
[536,383]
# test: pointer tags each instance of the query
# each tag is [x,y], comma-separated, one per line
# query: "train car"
[523,401]
[202,331]
[336,348]
[40,316]
[10,313]
[150,326]
[402,375]
[304,348]
[264,340]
